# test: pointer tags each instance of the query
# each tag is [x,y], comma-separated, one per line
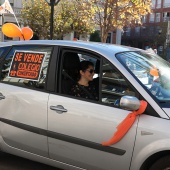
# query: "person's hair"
[84,65]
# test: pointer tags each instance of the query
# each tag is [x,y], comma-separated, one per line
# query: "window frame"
[63,50]
[157,17]
[127,81]
[15,47]
[152,18]
[153,4]
[97,56]
[166,4]
[4,53]
[149,110]
[158,4]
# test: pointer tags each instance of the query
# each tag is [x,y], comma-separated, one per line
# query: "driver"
[84,87]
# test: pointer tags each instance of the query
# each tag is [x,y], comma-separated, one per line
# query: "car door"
[23,98]
[77,126]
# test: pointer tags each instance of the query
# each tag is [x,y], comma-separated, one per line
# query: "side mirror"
[128,103]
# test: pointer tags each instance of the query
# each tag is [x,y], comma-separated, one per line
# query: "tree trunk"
[104,34]
[104,38]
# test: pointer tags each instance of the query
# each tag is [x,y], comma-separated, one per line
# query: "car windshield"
[151,70]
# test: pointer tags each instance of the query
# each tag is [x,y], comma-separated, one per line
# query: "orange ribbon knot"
[125,125]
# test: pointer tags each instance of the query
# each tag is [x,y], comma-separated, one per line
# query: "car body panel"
[88,123]
[152,137]
[23,107]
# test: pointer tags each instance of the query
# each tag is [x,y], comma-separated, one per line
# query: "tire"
[161,164]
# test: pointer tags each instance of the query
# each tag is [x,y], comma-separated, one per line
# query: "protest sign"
[26,65]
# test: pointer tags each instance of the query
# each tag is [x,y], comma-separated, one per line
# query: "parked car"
[41,121]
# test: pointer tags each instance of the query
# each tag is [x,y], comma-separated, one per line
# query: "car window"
[114,85]
[71,62]
[3,50]
[150,70]
[26,66]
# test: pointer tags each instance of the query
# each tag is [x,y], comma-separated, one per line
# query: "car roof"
[102,48]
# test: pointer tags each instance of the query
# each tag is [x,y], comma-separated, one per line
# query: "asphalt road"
[11,162]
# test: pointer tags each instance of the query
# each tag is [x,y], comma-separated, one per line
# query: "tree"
[69,16]
[74,15]
[112,14]
[95,36]
[157,35]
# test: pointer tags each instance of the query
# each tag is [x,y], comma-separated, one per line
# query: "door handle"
[58,108]
[1,96]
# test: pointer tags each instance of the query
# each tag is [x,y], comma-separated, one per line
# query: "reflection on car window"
[114,86]
[151,70]
[40,83]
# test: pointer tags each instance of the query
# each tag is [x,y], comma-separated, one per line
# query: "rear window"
[3,50]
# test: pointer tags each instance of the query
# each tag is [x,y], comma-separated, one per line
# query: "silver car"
[40,120]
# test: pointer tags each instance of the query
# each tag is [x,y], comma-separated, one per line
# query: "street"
[11,162]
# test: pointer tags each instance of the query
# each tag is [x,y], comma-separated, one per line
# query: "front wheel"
[161,164]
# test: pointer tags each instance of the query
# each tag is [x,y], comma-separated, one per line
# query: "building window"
[158,4]
[137,31]
[166,16]
[144,19]
[76,35]
[158,29]
[7,38]
[144,31]
[151,31]
[166,3]
[152,17]
[128,31]
[108,40]
[158,16]
[153,4]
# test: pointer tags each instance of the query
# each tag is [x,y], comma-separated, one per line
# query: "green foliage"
[82,16]
[36,14]
[95,36]
[69,16]
[160,37]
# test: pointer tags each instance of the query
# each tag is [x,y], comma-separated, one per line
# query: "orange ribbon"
[125,125]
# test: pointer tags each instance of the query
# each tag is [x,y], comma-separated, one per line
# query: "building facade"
[10,18]
[154,31]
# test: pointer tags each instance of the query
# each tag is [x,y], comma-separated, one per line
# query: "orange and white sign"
[27,65]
